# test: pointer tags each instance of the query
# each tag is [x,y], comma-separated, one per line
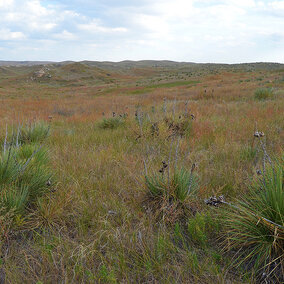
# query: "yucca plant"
[32,152]
[156,185]
[34,133]
[36,178]
[255,225]
[8,167]
[263,93]
[181,186]
[171,195]
[24,176]
[111,123]
[24,171]
[14,199]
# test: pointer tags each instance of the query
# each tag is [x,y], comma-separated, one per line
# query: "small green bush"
[184,184]
[263,93]
[111,123]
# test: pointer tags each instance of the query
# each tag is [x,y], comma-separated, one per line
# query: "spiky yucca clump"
[263,93]
[111,123]
[256,224]
[24,176]
[34,133]
[171,195]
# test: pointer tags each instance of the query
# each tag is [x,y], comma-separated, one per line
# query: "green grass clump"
[249,224]
[111,123]
[200,227]
[263,94]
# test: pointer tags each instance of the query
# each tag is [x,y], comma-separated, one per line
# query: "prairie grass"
[93,225]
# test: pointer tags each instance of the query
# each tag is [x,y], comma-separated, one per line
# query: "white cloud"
[6,34]
[6,3]
[65,35]
[278,5]
[95,27]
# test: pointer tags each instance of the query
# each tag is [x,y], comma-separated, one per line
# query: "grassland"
[99,222]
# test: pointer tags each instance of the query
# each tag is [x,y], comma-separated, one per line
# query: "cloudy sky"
[229,31]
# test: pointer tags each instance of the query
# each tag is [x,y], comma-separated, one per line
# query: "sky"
[228,31]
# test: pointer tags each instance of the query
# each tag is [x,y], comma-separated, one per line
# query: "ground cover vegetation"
[142,172]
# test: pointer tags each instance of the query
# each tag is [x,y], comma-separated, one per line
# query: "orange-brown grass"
[94,228]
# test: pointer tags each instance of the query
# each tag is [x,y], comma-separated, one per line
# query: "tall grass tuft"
[256,224]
